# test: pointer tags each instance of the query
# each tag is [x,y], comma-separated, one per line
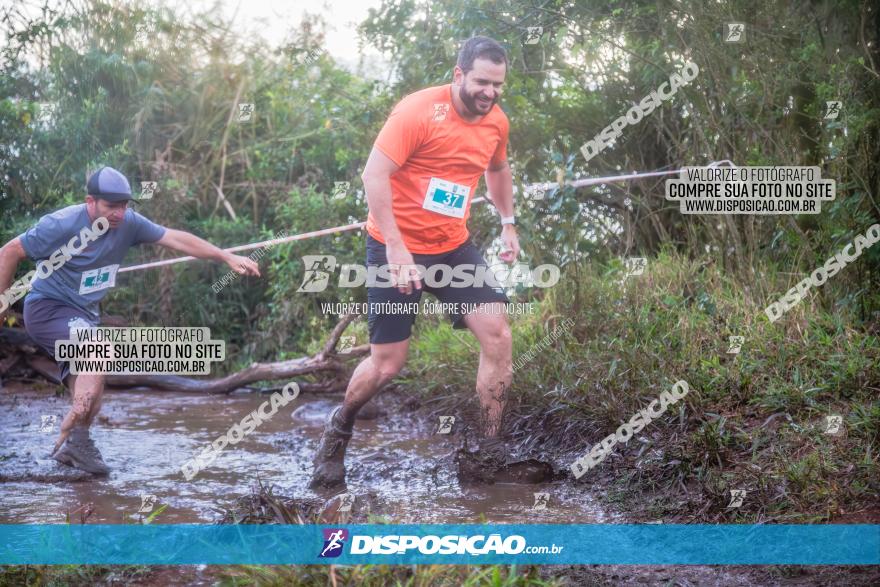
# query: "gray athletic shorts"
[47,320]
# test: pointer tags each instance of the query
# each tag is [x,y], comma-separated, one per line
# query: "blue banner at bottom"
[662,544]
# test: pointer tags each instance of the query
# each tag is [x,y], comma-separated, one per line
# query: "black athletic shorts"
[395,326]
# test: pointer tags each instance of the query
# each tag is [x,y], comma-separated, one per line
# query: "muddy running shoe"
[492,463]
[329,461]
[79,451]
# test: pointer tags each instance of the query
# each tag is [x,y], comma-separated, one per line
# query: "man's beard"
[470,102]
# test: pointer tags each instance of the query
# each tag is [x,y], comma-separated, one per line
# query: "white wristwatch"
[508,220]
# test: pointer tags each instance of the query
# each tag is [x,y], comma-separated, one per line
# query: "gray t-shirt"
[85,278]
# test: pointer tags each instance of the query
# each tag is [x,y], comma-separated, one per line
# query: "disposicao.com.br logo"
[319,269]
[476,545]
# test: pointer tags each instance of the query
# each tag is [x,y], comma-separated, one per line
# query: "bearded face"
[478,101]
[480,88]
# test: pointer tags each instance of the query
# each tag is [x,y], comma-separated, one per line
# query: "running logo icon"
[736,498]
[148,501]
[318,269]
[832,424]
[47,423]
[440,112]
[148,188]
[735,345]
[533,35]
[832,109]
[144,32]
[334,540]
[245,112]
[446,424]
[541,501]
[734,31]
[346,343]
[635,266]
[345,502]
[308,57]
[47,112]
[534,192]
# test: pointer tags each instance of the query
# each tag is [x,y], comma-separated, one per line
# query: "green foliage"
[163,106]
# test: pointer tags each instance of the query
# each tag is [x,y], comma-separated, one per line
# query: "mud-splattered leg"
[495,372]
[87,391]
[384,362]
[493,461]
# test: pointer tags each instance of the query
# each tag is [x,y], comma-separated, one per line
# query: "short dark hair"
[480,48]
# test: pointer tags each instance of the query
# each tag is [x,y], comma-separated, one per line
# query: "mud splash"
[397,458]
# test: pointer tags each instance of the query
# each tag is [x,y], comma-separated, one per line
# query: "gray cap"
[108,184]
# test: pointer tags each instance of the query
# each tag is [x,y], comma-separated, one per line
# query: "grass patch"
[753,420]
[381,575]
[72,575]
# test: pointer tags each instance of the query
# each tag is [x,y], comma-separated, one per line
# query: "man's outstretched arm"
[190,244]
[11,254]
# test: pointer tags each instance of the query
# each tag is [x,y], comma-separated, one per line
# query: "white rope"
[358,225]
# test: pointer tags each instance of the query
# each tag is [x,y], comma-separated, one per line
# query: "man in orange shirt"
[420,179]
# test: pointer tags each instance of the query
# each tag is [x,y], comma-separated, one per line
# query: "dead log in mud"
[16,348]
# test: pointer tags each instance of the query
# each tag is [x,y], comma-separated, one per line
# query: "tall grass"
[382,575]
[753,420]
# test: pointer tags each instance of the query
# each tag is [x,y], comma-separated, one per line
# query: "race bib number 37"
[98,279]
[447,198]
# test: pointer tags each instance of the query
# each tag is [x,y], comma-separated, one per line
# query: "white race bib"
[98,279]
[447,198]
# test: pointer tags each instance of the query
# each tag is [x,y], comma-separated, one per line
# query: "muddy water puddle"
[146,436]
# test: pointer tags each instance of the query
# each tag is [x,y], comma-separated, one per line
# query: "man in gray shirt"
[78,250]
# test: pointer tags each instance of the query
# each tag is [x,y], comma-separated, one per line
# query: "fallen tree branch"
[256,372]
[327,364]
